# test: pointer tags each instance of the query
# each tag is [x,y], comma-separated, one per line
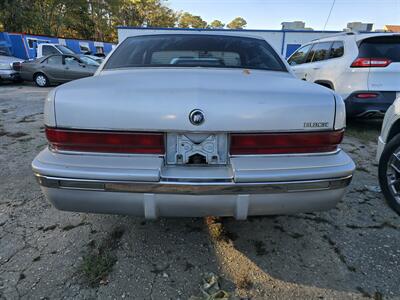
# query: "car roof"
[356,36]
[368,35]
[62,54]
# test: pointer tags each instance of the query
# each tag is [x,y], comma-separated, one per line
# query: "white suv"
[363,68]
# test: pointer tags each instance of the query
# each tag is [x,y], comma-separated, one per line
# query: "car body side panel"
[385,79]
[55,73]
[391,117]
[344,79]
[76,72]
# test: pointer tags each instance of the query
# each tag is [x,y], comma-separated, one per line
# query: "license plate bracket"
[187,148]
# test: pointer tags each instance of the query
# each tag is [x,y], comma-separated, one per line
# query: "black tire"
[390,149]
[41,80]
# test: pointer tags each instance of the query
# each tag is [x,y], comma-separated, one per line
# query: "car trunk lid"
[161,99]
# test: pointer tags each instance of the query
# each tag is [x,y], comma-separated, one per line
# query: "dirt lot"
[351,252]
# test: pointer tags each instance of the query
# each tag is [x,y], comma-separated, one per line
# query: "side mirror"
[82,65]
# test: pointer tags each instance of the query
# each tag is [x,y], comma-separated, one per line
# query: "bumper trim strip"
[194,188]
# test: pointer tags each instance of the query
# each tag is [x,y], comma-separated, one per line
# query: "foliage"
[237,23]
[95,19]
[217,24]
[88,19]
[187,20]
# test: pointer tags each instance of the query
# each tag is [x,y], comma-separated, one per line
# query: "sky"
[268,14]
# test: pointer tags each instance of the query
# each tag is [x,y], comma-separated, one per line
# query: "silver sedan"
[193,125]
[56,69]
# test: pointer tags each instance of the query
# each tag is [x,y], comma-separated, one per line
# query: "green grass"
[100,259]
[96,267]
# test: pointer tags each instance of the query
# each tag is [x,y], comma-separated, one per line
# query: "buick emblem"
[196,117]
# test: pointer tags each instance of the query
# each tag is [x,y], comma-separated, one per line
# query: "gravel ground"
[351,252]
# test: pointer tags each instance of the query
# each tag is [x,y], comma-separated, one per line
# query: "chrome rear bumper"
[145,186]
[194,188]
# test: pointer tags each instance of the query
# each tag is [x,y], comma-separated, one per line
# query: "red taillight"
[17,66]
[285,143]
[366,95]
[105,141]
[370,63]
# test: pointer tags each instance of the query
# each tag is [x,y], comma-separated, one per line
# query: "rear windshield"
[195,51]
[381,47]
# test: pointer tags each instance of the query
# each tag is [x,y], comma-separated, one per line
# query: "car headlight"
[5,66]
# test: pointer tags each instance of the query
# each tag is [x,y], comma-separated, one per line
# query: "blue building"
[24,46]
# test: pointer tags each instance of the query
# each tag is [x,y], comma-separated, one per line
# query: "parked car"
[193,125]
[363,68]
[96,58]
[6,63]
[57,68]
[388,155]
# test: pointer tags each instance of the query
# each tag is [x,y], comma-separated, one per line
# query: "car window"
[310,54]
[48,50]
[89,61]
[171,57]
[194,50]
[337,50]
[321,51]
[381,47]
[54,60]
[299,56]
[71,61]
[64,49]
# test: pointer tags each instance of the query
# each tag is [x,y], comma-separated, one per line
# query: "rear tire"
[387,173]
[41,80]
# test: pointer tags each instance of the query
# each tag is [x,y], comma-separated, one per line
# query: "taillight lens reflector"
[285,143]
[105,141]
[370,62]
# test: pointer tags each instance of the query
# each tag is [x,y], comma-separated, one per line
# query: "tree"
[151,13]
[187,20]
[90,19]
[15,15]
[237,23]
[217,24]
